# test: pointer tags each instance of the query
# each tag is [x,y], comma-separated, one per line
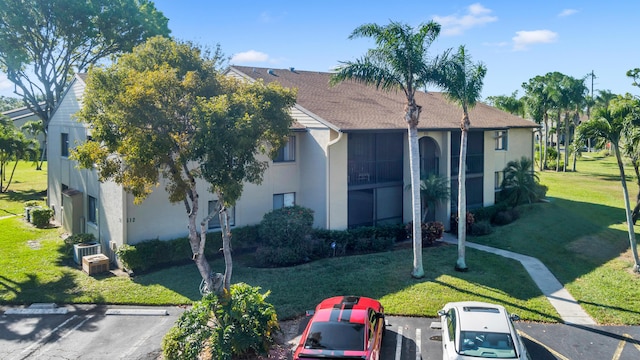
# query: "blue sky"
[516,40]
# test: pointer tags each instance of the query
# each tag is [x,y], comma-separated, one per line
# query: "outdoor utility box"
[95,264]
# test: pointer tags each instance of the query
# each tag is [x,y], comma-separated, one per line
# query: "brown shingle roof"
[353,106]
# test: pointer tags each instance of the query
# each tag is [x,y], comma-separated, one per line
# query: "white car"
[472,330]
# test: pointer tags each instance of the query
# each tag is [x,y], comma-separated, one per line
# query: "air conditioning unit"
[80,250]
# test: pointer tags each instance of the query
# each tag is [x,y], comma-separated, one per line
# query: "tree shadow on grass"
[25,195]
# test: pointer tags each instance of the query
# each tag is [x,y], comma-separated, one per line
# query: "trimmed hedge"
[40,217]
[154,254]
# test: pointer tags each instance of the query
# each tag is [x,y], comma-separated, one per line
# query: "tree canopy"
[43,43]
[166,112]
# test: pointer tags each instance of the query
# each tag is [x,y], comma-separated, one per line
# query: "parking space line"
[30,349]
[637,346]
[399,343]
[555,353]
[418,344]
[67,333]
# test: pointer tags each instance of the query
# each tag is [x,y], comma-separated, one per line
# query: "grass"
[580,235]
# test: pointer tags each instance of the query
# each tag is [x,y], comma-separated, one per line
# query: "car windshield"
[486,345]
[335,336]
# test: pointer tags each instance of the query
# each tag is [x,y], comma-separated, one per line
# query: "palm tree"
[399,62]
[14,146]
[509,103]
[610,124]
[538,104]
[463,85]
[35,128]
[433,189]
[520,182]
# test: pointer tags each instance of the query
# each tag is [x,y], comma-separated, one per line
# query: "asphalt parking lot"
[413,338]
[125,333]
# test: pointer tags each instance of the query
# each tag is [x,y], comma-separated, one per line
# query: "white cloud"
[567,12]
[523,39]
[249,56]
[476,15]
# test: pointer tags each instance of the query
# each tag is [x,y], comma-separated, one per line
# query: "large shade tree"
[165,113]
[611,124]
[43,43]
[463,85]
[400,62]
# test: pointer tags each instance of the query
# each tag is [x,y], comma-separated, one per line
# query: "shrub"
[453,222]
[79,239]
[363,245]
[40,217]
[431,232]
[245,323]
[187,338]
[286,235]
[131,258]
[481,228]
[503,217]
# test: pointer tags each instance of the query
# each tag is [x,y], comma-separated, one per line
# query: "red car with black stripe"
[343,327]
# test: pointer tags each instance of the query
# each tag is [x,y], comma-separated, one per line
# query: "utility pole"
[593,76]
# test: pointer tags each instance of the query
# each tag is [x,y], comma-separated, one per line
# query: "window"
[214,223]
[64,144]
[92,208]
[287,153]
[283,200]
[501,140]
[498,177]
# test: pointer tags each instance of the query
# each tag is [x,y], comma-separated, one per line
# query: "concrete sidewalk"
[570,311]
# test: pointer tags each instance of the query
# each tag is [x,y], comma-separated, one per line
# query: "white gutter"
[329,144]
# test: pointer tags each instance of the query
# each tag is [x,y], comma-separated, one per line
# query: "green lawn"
[580,235]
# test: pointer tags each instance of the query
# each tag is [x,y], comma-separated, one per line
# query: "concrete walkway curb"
[570,311]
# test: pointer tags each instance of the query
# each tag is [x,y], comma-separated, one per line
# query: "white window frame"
[288,200]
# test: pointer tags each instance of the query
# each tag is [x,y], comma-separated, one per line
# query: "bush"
[245,323]
[362,245]
[79,239]
[131,258]
[505,217]
[481,228]
[40,217]
[453,222]
[187,338]
[286,236]
[239,323]
[431,232]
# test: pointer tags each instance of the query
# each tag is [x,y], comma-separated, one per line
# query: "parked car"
[473,329]
[343,327]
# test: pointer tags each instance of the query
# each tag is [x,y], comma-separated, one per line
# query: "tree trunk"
[412,116]
[43,153]
[198,243]
[627,206]
[414,166]
[462,196]
[546,140]
[566,141]
[15,164]
[558,143]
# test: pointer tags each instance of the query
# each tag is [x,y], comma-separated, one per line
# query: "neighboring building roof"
[18,113]
[352,106]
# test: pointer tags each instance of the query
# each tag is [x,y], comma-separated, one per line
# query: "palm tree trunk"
[627,206]
[462,196]
[566,141]
[414,166]
[546,141]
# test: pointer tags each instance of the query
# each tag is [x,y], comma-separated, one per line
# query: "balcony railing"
[370,172]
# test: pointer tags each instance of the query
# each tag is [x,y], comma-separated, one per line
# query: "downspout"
[329,144]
